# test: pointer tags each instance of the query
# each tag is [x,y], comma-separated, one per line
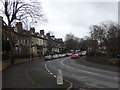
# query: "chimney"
[19,26]
[32,30]
[53,36]
[41,32]
[48,35]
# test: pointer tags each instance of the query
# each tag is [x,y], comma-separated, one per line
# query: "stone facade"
[30,43]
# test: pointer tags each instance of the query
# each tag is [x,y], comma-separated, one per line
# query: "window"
[18,41]
[27,41]
[24,41]
[21,41]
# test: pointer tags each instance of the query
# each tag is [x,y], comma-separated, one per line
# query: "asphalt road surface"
[43,74]
[29,75]
[82,76]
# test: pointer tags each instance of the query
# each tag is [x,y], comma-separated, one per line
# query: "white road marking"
[71,84]
[48,70]
[45,66]
[51,73]
[55,76]
[62,62]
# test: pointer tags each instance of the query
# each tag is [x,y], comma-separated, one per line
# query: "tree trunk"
[11,41]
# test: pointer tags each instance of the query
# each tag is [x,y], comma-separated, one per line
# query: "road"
[88,77]
[29,75]
[42,74]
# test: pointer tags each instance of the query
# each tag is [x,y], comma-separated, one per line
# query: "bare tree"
[17,10]
[107,33]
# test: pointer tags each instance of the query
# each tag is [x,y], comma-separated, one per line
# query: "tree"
[83,44]
[17,10]
[71,42]
[107,35]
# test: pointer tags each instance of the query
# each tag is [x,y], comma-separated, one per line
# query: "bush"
[90,54]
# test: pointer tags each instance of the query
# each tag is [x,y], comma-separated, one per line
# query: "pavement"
[5,64]
[83,61]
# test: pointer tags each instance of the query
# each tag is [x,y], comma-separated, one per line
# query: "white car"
[55,56]
[49,57]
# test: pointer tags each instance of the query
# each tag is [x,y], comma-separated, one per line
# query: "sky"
[76,17]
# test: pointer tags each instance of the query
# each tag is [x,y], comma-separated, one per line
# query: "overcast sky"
[76,17]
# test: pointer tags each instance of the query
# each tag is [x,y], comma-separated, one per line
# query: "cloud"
[77,17]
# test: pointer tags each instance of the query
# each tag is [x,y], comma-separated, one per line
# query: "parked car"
[59,55]
[74,56]
[68,54]
[49,57]
[63,55]
[55,56]
[83,53]
[80,54]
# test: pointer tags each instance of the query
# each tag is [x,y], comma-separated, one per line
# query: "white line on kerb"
[45,66]
[55,76]
[51,73]
[48,70]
